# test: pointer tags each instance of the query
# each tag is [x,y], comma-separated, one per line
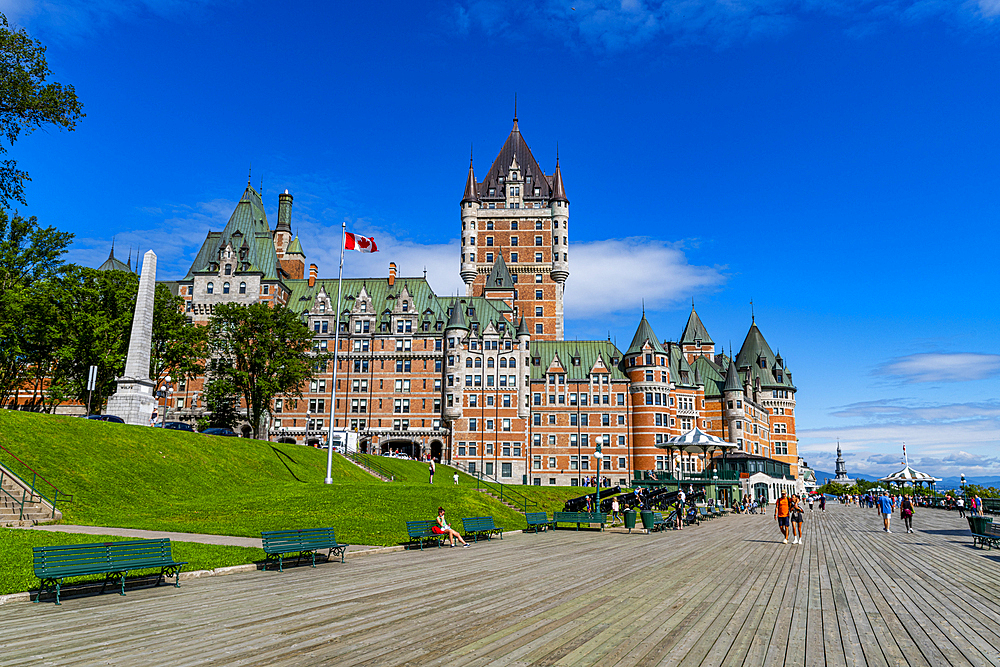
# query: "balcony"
[707,476]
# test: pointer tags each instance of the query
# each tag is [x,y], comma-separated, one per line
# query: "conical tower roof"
[522,328]
[642,334]
[471,193]
[457,319]
[558,191]
[514,149]
[733,382]
[695,330]
[295,248]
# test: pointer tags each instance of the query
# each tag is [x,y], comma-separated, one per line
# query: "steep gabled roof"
[695,330]
[295,248]
[499,277]
[755,347]
[514,149]
[457,319]
[733,382]
[471,193]
[587,351]
[558,191]
[642,334]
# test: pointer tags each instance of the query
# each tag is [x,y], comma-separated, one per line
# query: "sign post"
[91,385]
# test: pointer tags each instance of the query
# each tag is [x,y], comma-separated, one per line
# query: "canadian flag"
[359,243]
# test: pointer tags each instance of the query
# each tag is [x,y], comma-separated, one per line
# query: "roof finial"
[425,273]
[753,318]
[692,303]
[249,171]
[643,303]
[112,255]
[471,146]
[515,107]
[557,153]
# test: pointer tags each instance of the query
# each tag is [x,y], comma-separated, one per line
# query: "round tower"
[454,332]
[732,393]
[470,214]
[560,228]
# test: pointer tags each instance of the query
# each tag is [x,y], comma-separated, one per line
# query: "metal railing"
[506,494]
[30,493]
[369,463]
[708,476]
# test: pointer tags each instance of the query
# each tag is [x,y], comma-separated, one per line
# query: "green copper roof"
[642,334]
[733,382]
[695,330]
[457,319]
[711,375]
[587,351]
[499,277]
[295,248]
[246,227]
[754,349]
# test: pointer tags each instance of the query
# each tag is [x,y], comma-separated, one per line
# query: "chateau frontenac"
[487,381]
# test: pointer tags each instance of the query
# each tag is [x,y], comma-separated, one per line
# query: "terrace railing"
[37,490]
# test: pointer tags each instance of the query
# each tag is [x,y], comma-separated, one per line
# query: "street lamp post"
[165,392]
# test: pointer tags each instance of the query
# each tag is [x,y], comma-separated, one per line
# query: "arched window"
[468,362]
[211,288]
[513,362]
[503,363]
[225,288]
[479,362]
[243,288]
[489,362]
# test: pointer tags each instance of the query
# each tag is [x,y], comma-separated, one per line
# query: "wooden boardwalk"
[723,593]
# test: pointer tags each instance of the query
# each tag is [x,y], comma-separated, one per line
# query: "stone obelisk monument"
[134,401]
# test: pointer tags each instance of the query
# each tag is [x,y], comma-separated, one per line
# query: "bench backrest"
[99,556]
[477,523]
[579,517]
[414,528]
[536,517]
[303,539]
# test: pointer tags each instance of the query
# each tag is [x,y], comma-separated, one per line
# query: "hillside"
[139,477]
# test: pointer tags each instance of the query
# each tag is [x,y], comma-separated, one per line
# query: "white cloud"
[941,367]
[78,18]
[615,25]
[941,439]
[616,275]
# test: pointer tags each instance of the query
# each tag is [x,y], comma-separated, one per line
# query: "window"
[536,462]
[552,462]
[267,290]
[489,239]
[489,257]
[538,224]
[538,311]
[229,269]
[538,258]
[538,329]
[225,288]
[210,288]
[243,288]
[506,470]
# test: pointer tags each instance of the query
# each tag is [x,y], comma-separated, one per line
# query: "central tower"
[521,214]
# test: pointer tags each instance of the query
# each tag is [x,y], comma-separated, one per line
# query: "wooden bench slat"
[277,543]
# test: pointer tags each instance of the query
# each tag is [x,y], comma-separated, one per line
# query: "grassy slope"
[137,477]
[16,574]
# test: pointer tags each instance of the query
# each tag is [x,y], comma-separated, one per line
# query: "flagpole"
[336,350]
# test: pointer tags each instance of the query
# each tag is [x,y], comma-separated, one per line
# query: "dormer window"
[493,192]
[406,306]
[322,307]
[364,306]
[538,192]
[576,361]
[697,343]
[513,175]
[229,269]
[528,180]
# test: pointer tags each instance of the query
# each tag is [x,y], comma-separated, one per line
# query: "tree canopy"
[28,101]
[261,352]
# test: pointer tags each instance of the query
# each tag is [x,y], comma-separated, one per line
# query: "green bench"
[418,531]
[112,559]
[703,513]
[481,526]
[277,543]
[537,520]
[984,532]
[658,522]
[579,517]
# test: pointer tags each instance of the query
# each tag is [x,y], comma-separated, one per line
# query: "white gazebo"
[909,476]
[697,441]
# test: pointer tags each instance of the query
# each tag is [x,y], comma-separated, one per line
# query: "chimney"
[392,273]
[313,273]
[284,212]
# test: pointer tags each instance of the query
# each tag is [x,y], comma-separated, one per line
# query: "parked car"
[179,426]
[107,418]
[227,432]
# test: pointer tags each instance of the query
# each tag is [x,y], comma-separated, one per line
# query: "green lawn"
[16,573]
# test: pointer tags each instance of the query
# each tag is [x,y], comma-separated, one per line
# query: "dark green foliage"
[178,348]
[222,399]
[28,101]
[262,352]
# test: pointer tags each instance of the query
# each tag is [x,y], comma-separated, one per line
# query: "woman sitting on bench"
[442,528]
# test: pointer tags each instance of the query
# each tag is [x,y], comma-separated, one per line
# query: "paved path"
[201,538]
[724,593]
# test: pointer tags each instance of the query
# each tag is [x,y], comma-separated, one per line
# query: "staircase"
[494,496]
[20,506]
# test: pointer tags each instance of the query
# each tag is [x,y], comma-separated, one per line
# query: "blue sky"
[836,162]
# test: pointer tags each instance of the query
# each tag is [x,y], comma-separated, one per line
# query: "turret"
[560,228]
[732,393]
[470,213]
[456,330]
[283,230]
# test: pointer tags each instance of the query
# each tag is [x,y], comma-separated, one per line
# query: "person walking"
[960,504]
[795,514]
[822,503]
[614,510]
[455,477]
[781,510]
[885,507]
[811,499]
[906,513]
[430,468]
[681,497]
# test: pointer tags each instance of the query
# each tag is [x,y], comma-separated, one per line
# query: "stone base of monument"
[134,401]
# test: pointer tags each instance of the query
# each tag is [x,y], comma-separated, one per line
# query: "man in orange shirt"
[781,514]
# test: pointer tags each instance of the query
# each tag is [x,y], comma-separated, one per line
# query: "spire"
[642,334]
[522,328]
[129,262]
[457,319]
[732,379]
[515,111]
[112,255]
[471,191]
[499,277]
[558,191]
[695,330]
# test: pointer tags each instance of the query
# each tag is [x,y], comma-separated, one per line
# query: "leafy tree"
[179,348]
[222,400]
[28,102]
[30,259]
[262,352]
